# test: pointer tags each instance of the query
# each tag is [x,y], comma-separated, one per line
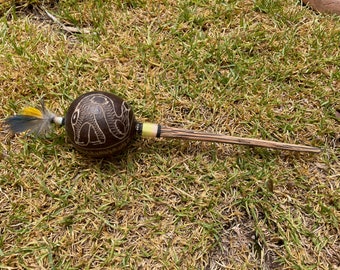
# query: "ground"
[261,69]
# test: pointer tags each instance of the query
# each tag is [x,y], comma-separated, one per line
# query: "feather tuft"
[37,121]
[34,112]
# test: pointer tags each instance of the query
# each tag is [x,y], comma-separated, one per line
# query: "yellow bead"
[149,130]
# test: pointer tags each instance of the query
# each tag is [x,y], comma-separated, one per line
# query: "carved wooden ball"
[100,124]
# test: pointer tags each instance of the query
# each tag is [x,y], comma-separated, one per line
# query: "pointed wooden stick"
[178,133]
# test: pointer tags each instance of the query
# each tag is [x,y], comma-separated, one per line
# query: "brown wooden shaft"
[178,133]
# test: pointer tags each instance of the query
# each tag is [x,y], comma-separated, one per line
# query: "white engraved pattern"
[96,113]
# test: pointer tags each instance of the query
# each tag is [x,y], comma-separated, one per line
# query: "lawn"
[263,69]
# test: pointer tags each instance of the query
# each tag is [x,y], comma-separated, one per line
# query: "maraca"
[100,124]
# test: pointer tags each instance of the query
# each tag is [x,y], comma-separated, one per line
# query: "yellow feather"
[34,112]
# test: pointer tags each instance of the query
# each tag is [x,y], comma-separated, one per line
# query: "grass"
[263,69]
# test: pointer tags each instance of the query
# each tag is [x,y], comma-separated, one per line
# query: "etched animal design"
[96,117]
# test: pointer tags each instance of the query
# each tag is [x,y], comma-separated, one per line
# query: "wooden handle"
[178,133]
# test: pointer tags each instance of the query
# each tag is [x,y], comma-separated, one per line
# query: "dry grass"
[265,69]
